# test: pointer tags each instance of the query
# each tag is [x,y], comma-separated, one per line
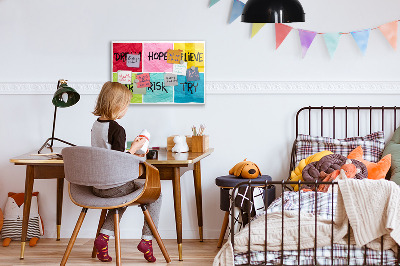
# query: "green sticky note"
[137,98]
[115,77]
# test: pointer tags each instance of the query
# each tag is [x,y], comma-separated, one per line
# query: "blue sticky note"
[192,74]
[158,92]
[189,91]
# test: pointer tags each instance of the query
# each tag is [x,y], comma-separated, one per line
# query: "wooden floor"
[50,252]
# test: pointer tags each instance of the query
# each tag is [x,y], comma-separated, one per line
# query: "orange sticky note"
[174,56]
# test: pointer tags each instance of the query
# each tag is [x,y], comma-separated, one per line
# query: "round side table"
[228,182]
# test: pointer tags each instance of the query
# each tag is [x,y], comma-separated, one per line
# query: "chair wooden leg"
[117,239]
[154,230]
[101,222]
[73,237]
[223,229]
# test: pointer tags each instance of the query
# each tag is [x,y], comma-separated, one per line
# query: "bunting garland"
[389,30]
[361,37]
[237,9]
[281,31]
[332,41]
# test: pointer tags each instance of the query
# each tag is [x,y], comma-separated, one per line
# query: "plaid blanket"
[323,205]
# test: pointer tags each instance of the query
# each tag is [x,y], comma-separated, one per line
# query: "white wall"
[43,41]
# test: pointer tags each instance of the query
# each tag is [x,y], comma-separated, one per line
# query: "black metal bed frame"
[283,184]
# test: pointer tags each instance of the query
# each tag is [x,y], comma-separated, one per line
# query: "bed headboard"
[344,121]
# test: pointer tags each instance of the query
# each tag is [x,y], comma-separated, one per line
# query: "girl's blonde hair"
[112,99]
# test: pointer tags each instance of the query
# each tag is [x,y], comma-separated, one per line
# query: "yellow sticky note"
[192,53]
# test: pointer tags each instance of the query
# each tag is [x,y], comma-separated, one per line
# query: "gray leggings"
[154,208]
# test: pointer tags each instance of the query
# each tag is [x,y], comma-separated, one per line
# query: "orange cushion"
[375,170]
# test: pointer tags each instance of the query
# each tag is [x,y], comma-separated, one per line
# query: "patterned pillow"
[372,144]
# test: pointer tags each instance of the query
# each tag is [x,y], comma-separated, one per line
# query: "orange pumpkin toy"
[245,169]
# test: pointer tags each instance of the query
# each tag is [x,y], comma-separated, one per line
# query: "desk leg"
[27,206]
[176,182]
[60,190]
[199,204]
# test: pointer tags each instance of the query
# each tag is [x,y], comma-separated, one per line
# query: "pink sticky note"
[144,80]
[155,57]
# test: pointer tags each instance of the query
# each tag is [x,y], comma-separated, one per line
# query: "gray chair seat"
[83,196]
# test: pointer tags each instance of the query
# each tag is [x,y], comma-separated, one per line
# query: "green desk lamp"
[65,96]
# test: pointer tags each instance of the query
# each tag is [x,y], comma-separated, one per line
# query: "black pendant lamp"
[273,11]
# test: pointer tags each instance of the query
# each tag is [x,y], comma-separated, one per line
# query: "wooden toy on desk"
[171,143]
[180,144]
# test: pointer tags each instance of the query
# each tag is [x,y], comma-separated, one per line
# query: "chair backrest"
[92,166]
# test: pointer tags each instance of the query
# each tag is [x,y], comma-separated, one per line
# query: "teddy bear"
[245,169]
[180,144]
[13,215]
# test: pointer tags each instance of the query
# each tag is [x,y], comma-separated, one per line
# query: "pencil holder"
[200,143]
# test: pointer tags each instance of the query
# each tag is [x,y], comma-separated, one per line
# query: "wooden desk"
[40,167]
[169,165]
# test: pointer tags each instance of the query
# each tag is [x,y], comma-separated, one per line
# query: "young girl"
[112,104]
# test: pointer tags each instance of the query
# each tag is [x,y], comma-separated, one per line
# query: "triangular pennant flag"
[213,2]
[389,30]
[281,31]
[306,39]
[361,37]
[332,41]
[256,27]
[237,9]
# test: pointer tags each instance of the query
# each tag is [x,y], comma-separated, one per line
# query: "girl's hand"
[142,155]
[137,144]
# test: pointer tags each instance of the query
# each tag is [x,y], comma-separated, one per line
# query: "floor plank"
[49,252]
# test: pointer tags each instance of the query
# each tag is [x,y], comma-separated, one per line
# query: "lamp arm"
[54,126]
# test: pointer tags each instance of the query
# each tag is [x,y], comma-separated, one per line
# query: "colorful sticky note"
[144,80]
[158,92]
[180,69]
[133,60]
[193,54]
[170,79]
[155,57]
[124,77]
[189,91]
[192,74]
[119,52]
[174,56]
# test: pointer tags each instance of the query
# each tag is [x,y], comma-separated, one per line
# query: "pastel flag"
[389,30]
[332,41]
[237,9]
[281,31]
[255,28]
[213,2]
[361,37]
[306,39]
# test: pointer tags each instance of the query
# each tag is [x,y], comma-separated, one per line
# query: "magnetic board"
[160,72]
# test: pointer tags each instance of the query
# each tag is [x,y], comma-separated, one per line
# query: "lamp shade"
[273,11]
[65,96]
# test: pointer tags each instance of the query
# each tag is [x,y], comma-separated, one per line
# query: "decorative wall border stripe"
[233,87]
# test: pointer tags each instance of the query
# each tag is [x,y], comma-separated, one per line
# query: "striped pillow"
[372,145]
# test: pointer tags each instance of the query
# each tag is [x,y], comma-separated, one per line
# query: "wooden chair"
[85,167]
